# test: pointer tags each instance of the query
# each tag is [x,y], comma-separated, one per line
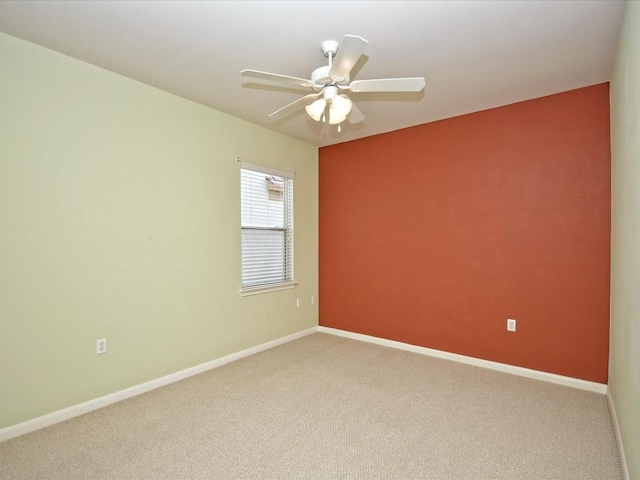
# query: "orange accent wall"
[434,235]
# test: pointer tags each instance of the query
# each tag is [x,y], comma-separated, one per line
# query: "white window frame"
[251,288]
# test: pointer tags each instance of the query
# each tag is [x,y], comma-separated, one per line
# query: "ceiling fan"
[331,84]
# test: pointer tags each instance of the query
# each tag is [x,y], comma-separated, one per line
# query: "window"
[266,227]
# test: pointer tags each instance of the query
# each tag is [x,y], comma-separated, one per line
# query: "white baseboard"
[616,429]
[86,407]
[477,362]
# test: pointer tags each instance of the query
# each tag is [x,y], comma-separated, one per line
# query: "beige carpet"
[328,407]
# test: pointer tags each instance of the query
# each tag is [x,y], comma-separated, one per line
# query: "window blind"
[266,227]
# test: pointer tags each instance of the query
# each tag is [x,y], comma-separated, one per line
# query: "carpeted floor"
[328,407]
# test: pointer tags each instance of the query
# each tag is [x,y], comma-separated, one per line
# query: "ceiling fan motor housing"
[320,76]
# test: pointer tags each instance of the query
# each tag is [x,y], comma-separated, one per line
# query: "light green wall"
[120,218]
[624,361]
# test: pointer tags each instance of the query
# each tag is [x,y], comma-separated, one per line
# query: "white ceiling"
[474,54]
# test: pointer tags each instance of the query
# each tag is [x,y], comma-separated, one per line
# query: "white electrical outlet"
[313,300]
[101,346]
[298,303]
[511,325]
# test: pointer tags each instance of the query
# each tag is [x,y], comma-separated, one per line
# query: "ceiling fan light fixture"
[316,109]
[339,109]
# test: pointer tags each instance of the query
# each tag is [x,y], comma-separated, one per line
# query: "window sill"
[266,289]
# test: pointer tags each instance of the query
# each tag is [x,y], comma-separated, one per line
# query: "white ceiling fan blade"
[350,50]
[413,84]
[301,102]
[356,115]
[276,77]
